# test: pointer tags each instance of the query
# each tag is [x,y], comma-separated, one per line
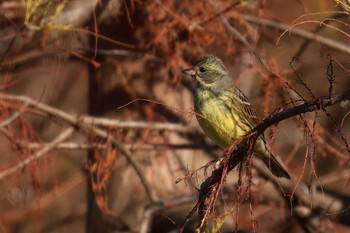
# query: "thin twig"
[299,32]
[127,154]
[97,121]
[211,185]
[14,116]
[60,138]
[79,122]
[89,146]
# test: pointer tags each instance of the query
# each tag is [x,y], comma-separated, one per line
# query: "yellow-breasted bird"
[223,111]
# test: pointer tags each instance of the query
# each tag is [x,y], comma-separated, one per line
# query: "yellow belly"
[215,116]
[216,119]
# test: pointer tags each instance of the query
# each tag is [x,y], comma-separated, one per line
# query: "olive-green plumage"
[223,111]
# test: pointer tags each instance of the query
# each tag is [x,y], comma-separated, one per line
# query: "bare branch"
[60,138]
[304,107]
[299,32]
[78,122]
[211,186]
[89,146]
[97,121]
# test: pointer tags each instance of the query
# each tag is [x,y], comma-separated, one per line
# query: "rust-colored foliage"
[100,172]
[100,83]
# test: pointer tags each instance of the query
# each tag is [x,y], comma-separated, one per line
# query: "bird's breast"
[215,117]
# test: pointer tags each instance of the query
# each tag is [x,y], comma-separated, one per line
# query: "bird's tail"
[274,166]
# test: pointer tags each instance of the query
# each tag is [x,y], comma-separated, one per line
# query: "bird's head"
[209,71]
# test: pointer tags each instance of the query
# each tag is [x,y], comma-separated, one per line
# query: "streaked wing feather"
[240,105]
[246,106]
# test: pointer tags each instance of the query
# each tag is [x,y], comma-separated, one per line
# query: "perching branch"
[304,107]
[213,184]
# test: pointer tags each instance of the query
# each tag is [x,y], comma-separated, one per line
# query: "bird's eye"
[202,69]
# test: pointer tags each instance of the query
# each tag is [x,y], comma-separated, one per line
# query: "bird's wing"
[247,107]
[241,105]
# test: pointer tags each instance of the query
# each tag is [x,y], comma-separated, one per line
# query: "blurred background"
[108,141]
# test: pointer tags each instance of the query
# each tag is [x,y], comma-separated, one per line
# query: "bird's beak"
[189,71]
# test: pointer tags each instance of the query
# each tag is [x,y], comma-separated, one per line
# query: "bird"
[223,111]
